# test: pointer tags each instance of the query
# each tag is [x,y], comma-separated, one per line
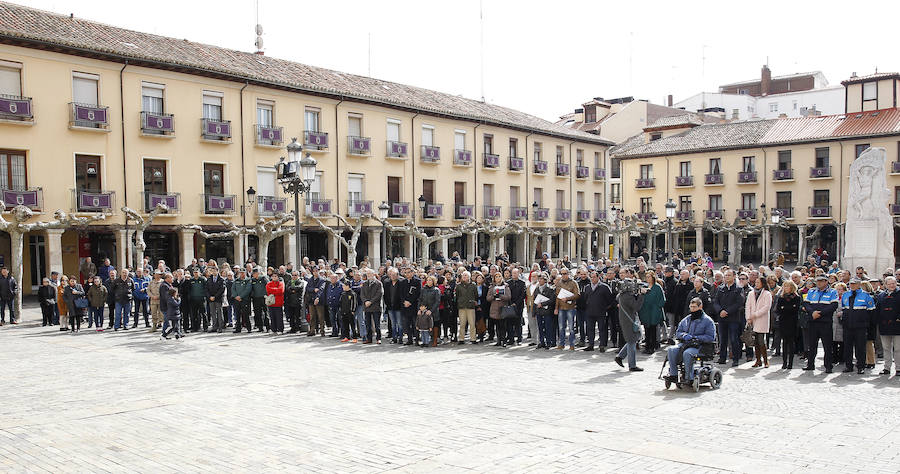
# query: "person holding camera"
[631,298]
[693,331]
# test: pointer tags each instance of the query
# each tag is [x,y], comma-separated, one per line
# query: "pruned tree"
[425,240]
[265,230]
[545,233]
[18,226]
[580,235]
[737,230]
[338,233]
[141,224]
[809,238]
[628,224]
[495,233]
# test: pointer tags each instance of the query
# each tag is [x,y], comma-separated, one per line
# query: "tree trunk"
[351,256]
[16,248]
[262,251]
[738,246]
[139,247]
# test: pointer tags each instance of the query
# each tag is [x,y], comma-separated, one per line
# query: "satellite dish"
[259,30]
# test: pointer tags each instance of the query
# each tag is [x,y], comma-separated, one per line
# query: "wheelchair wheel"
[696,384]
[668,384]
[715,379]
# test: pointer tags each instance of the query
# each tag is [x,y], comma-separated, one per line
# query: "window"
[870,91]
[355,187]
[715,202]
[85,88]
[897,195]
[265,113]
[598,201]
[213,179]
[748,201]
[155,176]
[152,97]
[615,167]
[685,169]
[459,140]
[311,119]
[87,173]
[820,198]
[735,113]
[579,157]
[427,135]
[615,193]
[822,157]
[560,199]
[488,144]
[559,154]
[459,193]
[861,148]
[590,114]
[428,190]
[655,136]
[513,147]
[514,196]
[537,151]
[316,190]
[749,163]
[212,105]
[11,78]
[12,170]
[393,189]
[646,171]
[784,160]
[715,165]
[646,205]
[773,106]
[539,196]
[743,92]
[597,160]
[354,125]
[783,200]
[488,194]
[684,203]
[265,181]
[393,130]
[794,104]
[579,200]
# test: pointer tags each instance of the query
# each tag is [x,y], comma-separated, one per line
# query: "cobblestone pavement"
[126,401]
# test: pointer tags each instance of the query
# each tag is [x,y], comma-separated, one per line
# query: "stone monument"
[870,228]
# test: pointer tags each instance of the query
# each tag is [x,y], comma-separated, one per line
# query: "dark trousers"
[260,317]
[580,324]
[855,341]
[730,337]
[592,323]
[491,327]
[198,315]
[502,333]
[111,310]
[788,350]
[8,303]
[142,306]
[55,313]
[96,316]
[651,339]
[612,322]
[46,314]
[548,328]
[241,315]
[373,326]
[75,316]
[823,332]
[293,317]
[276,316]
[409,318]
[347,321]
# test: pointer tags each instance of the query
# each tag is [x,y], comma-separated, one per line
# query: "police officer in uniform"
[821,303]
[858,307]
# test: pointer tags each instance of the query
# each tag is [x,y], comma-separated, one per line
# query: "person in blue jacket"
[857,308]
[694,331]
[141,297]
[821,303]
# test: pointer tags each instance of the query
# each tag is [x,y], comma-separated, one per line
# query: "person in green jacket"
[651,313]
[466,295]
[258,295]
[241,289]
[197,298]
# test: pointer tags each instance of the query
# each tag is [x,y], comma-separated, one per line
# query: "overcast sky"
[541,57]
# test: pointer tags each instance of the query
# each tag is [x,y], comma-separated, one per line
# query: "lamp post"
[534,208]
[614,214]
[776,220]
[670,214]
[651,232]
[383,214]
[422,204]
[296,176]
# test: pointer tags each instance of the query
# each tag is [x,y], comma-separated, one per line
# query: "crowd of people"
[756,312]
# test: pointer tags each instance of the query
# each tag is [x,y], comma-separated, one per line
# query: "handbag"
[508,312]
[270,300]
[81,302]
[747,336]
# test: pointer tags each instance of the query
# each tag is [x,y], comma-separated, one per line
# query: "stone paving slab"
[128,402]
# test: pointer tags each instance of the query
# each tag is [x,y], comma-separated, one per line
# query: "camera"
[632,286]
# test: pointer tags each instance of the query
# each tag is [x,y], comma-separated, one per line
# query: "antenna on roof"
[370,54]
[259,32]
[481,26]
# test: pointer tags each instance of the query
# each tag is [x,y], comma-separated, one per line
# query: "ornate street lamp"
[670,214]
[251,195]
[383,210]
[296,176]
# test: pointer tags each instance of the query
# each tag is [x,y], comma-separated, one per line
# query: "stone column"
[445,247]
[698,235]
[732,248]
[411,247]
[290,249]
[187,246]
[548,244]
[522,248]
[501,246]
[801,244]
[471,240]
[374,247]
[239,257]
[54,250]
[121,248]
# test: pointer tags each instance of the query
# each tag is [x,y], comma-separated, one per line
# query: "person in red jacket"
[275,287]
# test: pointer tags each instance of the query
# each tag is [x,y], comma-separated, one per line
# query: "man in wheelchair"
[697,334]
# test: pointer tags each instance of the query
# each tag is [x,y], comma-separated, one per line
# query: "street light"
[251,195]
[296,176]
[670,214]
[383,209]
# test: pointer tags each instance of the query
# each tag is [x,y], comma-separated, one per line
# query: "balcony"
[749,214]
[32,198]
[600,214]
[491,161]
[464,211]
[599,174]
[684,215]
[269,205]
[895,209]
[582,172]
[583,215]
[88,116]
[15,108]
[154,124]
[563,215]
[714,179]
[171,200]
[430,154]
[644,216]
[746,177]
[218,204]
[359,208]
[318,207]
[433,211]
[516,163]
[315,141]
[269,135]
[540,167]
[783,175]
[562,169]
[398,210]
[821,172]
[359,146]
[895,167]
[819,212]
[462,157]
[518,213]
[491,213]
[645,183]
[215,130]
[786,212]
[396,149]
[93,200]
[715,214]
[684,181]
[541,214]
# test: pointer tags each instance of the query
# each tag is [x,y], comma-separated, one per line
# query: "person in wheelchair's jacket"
[695,331]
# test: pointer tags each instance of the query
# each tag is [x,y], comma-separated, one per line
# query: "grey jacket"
[372,292]
[629,306]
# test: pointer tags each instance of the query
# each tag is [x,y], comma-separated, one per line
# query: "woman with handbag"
[61,303]
[429,307]
[77,303]
[275,303]
[652,312]
[787,310]
[498,296]
[756,310]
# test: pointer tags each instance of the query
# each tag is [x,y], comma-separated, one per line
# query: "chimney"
[765,80]
[669,100]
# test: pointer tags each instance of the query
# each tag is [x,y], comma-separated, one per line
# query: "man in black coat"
[728,304]
[612,314]
[598,299]
[410,289]
[517,298]
[669,282]
[679,295]
[393,303]
[215,290]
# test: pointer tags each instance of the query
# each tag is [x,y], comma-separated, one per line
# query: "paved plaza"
[128,402]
